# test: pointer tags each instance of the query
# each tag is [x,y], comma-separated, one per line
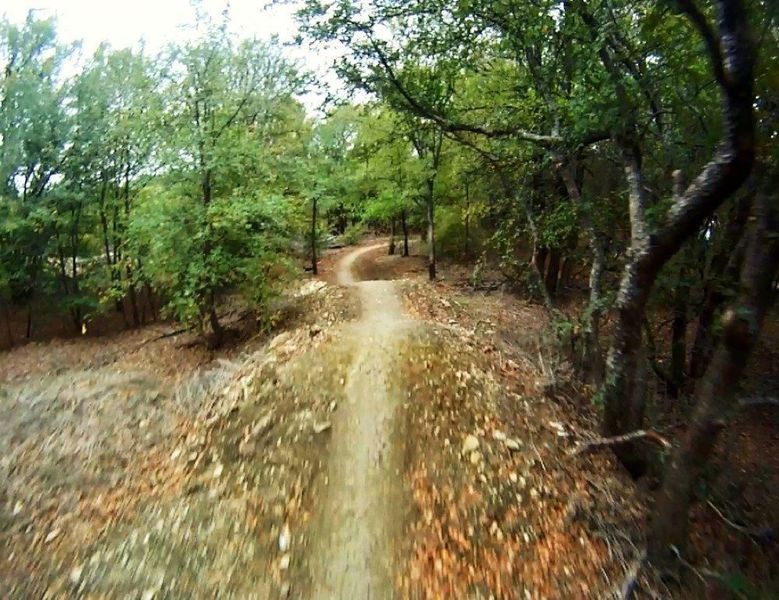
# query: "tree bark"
[314,267]
[467,220]
[721,275]
[591,358]
[391,250]
[431,255]
[405,232]
[714,397]
[553,271]
[732,59]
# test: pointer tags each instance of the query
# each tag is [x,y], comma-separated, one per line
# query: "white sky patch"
[158,23]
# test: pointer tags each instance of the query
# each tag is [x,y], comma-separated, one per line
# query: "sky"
[123,23]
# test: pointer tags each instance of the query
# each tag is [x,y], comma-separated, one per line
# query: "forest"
[613,164]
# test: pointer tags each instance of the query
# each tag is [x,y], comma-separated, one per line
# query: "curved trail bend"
[359,517]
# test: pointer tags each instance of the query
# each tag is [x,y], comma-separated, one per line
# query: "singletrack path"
[360,512]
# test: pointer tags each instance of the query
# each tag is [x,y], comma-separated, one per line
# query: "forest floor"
[388,438]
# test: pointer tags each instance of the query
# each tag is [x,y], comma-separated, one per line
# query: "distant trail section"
[360,515]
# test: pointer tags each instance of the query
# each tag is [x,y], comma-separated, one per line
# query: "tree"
[219,95]
[34,129]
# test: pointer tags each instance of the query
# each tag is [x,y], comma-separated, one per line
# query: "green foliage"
[353,234]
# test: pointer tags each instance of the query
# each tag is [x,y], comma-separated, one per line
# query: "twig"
[703,573]
[538,454]
[750,402]
[620,439]
[753,532]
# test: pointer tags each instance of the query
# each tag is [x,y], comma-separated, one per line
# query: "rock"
[279,340]
[284,562]
[262,425]
[323,426]
[218,470]
[246,448]
[52,536]
[284,538]
[499,436]
[475,457]
[75,574]
[148,594]
[311,287]
[314,330]
[284,590]
[513,444]
[470,443]
[175,454]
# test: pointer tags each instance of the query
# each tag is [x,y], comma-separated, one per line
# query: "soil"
[360,509]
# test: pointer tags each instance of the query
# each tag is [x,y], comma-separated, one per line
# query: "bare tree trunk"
[467,220]
[314,267]
[405,232]
[714,397]
[680,302]
[679,337]
[591,358]
[732,58]
[431,260]
[552,271]
[391,250]
[10,334]
[28,330]
[722,274]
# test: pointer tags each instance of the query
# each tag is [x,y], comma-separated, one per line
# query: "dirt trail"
[360,513]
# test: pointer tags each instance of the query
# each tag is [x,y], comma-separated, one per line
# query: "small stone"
[499,436]
[314,330]
[512,444]
[75,574]
[284,538]
[284,590]
[475,457]
[513,477]
[218,470]
[323,426]
[52,536]
[17,508]
[470,443]
[246,448]
[148,594]
[175,454]
[284,562]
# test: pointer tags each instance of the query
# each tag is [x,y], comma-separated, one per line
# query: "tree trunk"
[150,300]
[392,237]
[7,312]
[591,358]
[314,267]
[216,327]
[28,330]
[467,220]
[714,397]
[722,275]
[431,260]
[539,258]
[679,337]
[405,232]
[552,271]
